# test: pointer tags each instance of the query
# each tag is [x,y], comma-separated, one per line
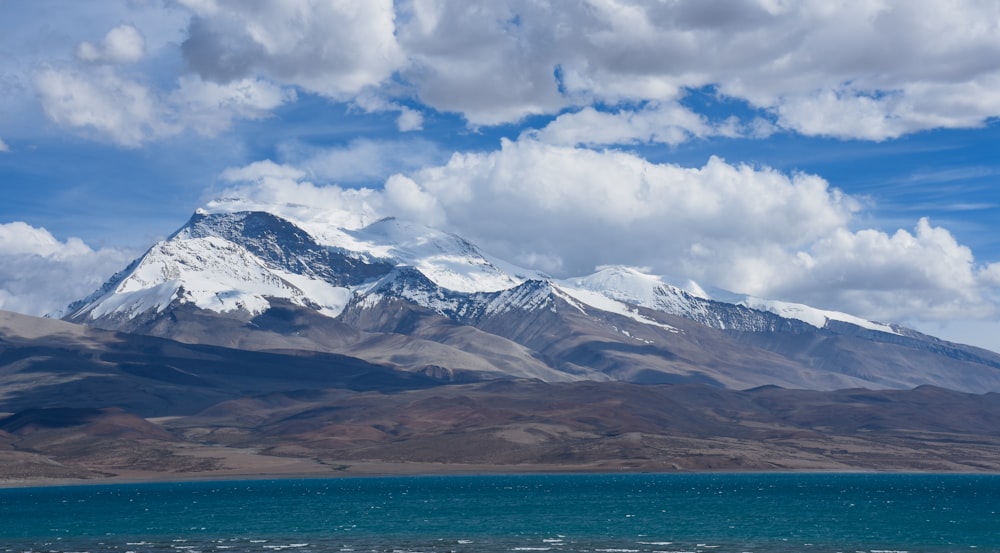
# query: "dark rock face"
[284,245]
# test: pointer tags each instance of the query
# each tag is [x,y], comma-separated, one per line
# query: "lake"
[605,513]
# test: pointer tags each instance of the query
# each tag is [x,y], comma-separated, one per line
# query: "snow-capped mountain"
[634,287]
[400,293]
[229,262]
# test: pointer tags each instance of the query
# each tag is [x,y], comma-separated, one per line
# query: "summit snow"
[226,261]
[632,286]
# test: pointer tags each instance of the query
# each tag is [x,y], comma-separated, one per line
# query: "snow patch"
[131,303]
[598,300]
[630,285]
[213,274]
[810,315]
[446,259]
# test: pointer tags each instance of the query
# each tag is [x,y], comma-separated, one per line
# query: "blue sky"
[840,154]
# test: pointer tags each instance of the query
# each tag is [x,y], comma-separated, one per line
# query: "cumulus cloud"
[40,274]
[871,71]
[3,146]
[335,49]
[578,208]
[748,229]
[493,62]
[753,230]
[125,111]
[123,44]
[269,186]
[129,113]
[362,161]
[670,124]
[920,275]
[410,120]
[209,108]
[867,71]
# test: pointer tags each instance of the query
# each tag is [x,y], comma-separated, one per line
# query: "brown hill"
[83,403]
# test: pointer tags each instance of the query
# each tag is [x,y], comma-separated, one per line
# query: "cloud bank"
[567,210]
[857,70]
[41,275]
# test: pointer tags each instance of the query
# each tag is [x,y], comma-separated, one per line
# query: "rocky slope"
[82,403]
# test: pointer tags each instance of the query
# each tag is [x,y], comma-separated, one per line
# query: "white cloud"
[373,101]
[124,111]
[847,113]
[747,229]
[263,171]
[753,230]
[582,208]
[265,185]
[3,146]
[872,71]
[41,35]
[123,44]
[670,124]
[362,161]
[922,275]
[493,62]
[130,114]
[406,199]
[19,238]
[210,108]
[39,274]
[334,48]
[410,120]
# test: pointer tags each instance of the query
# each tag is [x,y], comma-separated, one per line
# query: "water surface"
[565,513]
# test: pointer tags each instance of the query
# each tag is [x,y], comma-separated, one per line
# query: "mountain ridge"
[408,295]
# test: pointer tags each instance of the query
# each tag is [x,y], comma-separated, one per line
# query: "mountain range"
[258,337]
[415,298]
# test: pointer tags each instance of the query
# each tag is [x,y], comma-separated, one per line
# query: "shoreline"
[375,469]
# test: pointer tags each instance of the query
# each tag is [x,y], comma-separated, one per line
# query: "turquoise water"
[709,513]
